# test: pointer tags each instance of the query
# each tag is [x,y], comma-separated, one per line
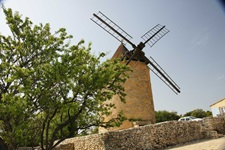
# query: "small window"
[222,110]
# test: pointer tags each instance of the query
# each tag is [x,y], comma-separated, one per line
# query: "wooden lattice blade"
[112,28]
[157,70]
[154,35]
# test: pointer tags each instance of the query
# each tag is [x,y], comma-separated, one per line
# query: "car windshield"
[192,117]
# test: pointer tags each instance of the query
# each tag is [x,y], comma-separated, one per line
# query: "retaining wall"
[149,137]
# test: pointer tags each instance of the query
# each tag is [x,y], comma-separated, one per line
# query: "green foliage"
[208,113]
[51,90]
[199,113]
[164,115]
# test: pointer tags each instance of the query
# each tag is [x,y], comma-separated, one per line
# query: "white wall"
[215,112]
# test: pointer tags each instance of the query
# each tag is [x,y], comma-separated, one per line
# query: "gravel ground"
[211,144]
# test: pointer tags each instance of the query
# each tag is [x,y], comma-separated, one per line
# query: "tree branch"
[68,121]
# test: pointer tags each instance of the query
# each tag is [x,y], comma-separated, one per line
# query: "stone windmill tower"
[139,106]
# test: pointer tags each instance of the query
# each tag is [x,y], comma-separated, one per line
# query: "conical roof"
[121,50]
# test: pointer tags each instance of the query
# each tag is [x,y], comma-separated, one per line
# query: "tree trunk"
[11,146]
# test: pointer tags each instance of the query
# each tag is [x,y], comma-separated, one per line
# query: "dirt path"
[212,144]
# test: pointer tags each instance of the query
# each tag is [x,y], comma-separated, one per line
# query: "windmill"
[139,100]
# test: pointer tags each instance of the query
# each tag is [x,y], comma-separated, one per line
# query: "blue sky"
[192,53]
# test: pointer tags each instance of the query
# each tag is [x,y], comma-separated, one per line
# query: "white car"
[190,118]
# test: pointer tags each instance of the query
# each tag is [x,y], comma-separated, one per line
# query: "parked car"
[190,118]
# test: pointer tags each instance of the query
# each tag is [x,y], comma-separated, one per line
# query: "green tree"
[51,90]
[208,113]
[164,115]
[199,113]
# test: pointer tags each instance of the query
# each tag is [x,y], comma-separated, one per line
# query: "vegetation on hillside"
[163,115]
[199,113]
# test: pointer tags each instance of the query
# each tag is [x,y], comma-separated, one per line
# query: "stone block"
[212,134]
[68,146]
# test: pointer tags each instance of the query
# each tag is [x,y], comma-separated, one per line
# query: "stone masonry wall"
[215,124]
[149,137]
[138,96]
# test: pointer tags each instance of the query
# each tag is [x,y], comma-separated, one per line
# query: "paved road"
[212,144]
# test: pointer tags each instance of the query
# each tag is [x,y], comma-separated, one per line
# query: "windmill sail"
[112,28]
[151,37]
[154,35]
[158,71]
